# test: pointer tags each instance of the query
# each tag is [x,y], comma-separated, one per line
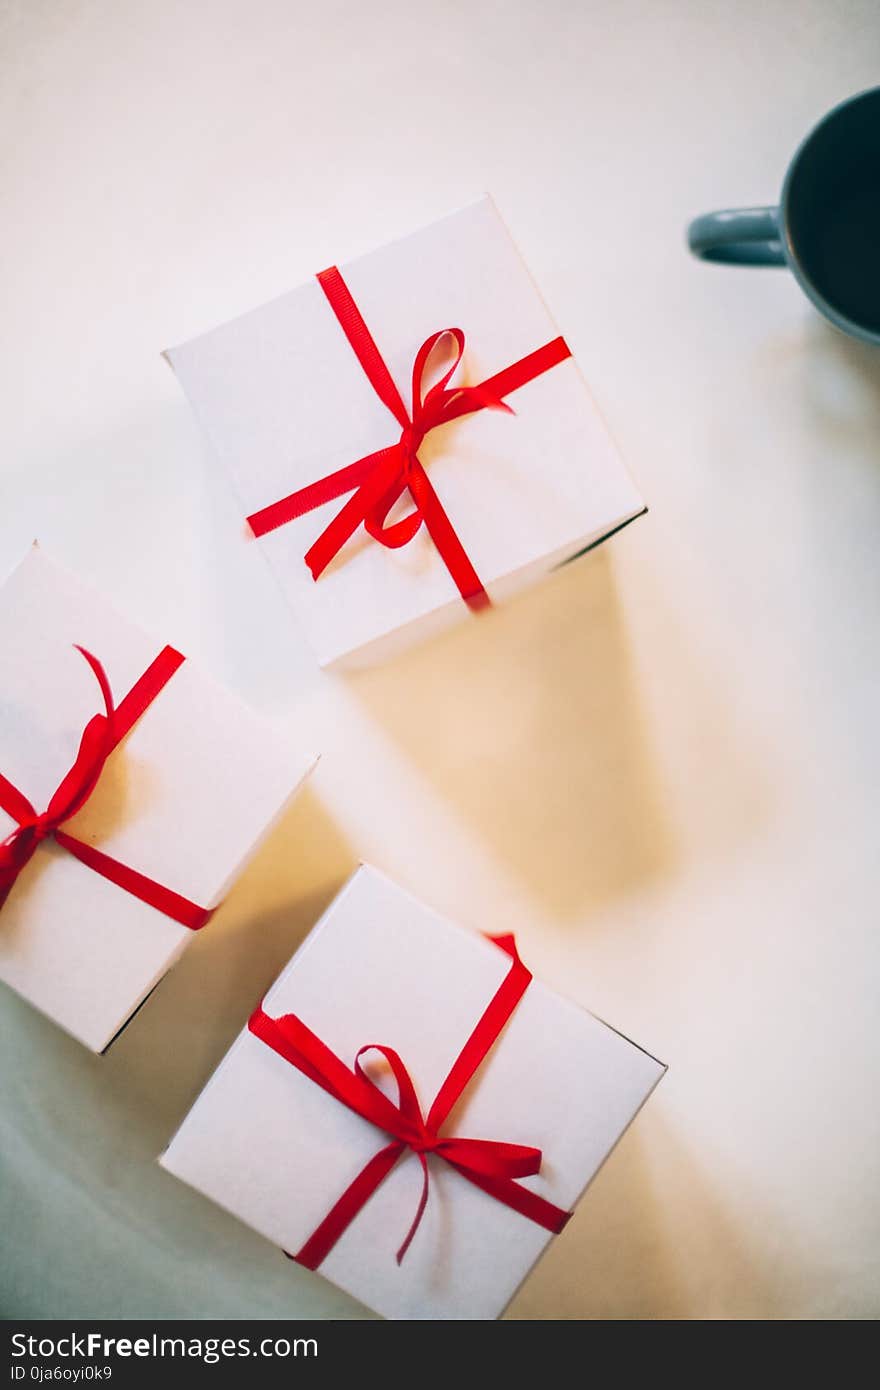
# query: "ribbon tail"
[420,1211]
[340,1217]
[491,1158]
[520,1199]
[449,547]
[337,534]
[356,510]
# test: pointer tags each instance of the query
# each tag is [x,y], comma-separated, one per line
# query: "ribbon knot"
[411,437]
[424,1144]
[22,843]
[489,1164]
[378,480]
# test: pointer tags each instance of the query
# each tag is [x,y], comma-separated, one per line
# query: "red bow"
[488,1164]
[103,733]
[380,479]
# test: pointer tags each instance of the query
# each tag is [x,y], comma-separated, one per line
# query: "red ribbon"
[380,479]
[103,733]
[489,1165]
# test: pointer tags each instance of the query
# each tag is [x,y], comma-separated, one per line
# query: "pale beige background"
[661,769]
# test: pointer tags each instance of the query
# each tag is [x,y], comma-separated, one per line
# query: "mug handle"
[739,236]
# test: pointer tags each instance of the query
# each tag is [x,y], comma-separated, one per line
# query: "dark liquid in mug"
[834,211]
[841,253]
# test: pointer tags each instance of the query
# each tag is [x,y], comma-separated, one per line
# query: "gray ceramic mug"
[827,226]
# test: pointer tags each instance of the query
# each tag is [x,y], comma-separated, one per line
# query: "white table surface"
[660,769]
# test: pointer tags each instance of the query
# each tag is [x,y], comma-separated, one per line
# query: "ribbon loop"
[423,404]
[412,1125]
[489,1164]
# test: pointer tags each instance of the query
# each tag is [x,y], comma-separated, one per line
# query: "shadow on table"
[842,387]
[527,720]
[185,1027]
[646,1246]
[837,517]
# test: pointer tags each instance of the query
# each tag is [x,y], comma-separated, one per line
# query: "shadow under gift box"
[272,1147]
[284,401]
[185,800]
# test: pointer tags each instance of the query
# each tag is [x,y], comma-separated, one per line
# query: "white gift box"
[284,401]
[273,1148]
[185,800]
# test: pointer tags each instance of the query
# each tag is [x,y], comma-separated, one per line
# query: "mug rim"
[842,321]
